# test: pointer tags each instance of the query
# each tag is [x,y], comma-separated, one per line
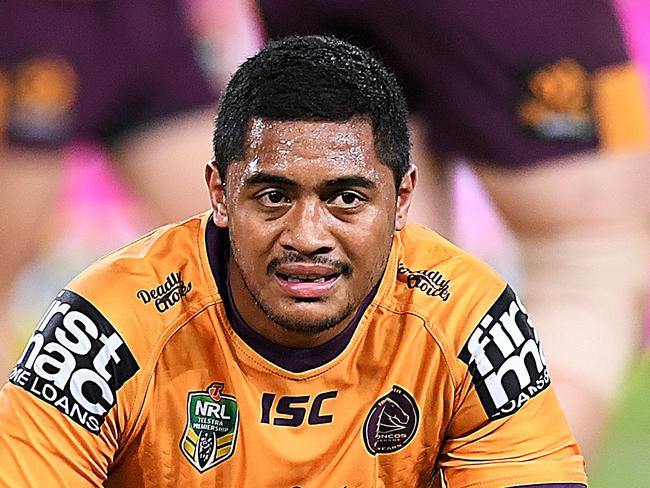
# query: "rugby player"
[301,332]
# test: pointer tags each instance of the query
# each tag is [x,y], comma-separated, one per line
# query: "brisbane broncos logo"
[392,418]
[391,423]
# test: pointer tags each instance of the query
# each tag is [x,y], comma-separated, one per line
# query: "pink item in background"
[635,17]
[94,215]
[96,210]
[225,33]
[479,229]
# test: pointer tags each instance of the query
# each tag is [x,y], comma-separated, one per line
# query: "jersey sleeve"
[507,428]
[67,402]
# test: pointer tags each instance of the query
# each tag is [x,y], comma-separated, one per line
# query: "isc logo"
[505,357]
[290,411]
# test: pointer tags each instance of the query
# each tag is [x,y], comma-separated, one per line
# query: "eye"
[272,198]
[347,199]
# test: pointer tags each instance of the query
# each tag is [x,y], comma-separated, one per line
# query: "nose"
[306,229]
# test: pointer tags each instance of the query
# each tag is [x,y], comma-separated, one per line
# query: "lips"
[302,280]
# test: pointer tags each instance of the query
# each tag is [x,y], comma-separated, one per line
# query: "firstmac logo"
[505,357]
[76,361]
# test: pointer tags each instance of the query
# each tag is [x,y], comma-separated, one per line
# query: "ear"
[217,194]
[405,195]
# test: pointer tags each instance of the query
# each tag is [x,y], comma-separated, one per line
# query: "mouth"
[306,281]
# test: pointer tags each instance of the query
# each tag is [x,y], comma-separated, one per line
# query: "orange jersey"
[136,377]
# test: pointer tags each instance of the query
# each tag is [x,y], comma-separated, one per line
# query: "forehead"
[318,148]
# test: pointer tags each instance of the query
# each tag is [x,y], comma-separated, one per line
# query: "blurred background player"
[82,82]
[542,100]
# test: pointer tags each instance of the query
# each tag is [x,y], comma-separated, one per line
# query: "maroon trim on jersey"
[294,360]
[554,485]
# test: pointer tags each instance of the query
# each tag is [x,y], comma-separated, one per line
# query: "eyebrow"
[263,178]
[351,181]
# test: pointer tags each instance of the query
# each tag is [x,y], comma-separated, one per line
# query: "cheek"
[251,239]
[380,224]
[376,219]
[368,245]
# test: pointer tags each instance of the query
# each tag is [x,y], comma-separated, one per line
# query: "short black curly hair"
[313,78]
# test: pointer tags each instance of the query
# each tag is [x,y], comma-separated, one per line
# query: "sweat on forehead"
[350,133]
[338,147]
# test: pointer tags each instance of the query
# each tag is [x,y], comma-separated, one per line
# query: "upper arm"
[63,411]
[39,446]
[507,428]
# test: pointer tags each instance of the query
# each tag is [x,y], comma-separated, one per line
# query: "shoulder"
[108,326]
[458,297]
[446,285]
[480,322]
[150,285]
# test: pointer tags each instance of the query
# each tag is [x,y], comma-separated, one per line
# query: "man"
[300,333]
[544,102]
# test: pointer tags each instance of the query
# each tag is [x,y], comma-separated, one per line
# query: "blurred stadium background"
[96,213]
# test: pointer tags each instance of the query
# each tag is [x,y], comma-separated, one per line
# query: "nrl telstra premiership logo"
[212,423]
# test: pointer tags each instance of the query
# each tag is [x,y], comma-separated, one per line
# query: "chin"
[304,329]
[310,318]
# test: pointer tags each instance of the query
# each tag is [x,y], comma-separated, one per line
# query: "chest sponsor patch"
[391,423]
[167,294]
[75,361]
[429,282]
[210,435]
[505,357]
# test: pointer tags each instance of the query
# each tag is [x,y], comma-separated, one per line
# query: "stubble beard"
[301,326]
